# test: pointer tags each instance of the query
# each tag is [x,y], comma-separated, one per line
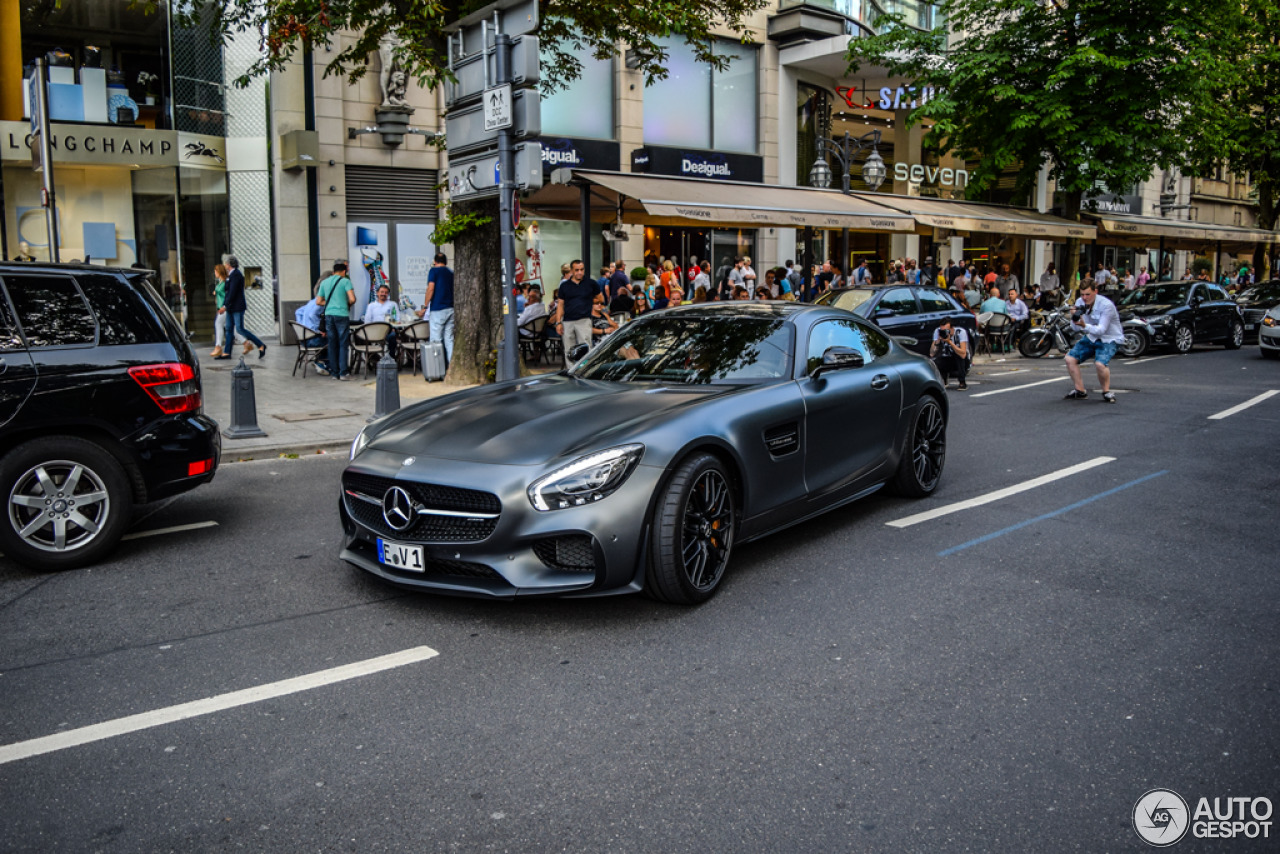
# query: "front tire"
[1235,338]
[693,528]
[1183,339]
[67,503]
[1035,344]
[1135,343]
[923,453]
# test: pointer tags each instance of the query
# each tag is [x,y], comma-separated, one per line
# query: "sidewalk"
[299,416]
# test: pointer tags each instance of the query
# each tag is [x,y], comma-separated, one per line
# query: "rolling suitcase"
[433,364]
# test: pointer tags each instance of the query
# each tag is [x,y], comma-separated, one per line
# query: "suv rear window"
[51,311]
[123,316]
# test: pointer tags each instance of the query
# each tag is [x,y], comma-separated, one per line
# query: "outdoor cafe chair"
[416,333]
[306,355]
[533,339]
[367,341]
[998,330]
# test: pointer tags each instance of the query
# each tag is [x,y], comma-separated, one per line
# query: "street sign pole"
[46,160]
[509,363]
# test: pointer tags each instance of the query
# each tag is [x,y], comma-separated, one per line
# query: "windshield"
[1265,291]
[692,350]
[1167,294]
[848,300]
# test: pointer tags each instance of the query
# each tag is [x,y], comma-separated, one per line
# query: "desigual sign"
[109,145]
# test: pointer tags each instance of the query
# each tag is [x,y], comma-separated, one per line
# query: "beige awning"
[1179,234]
[979,218]
[659,200]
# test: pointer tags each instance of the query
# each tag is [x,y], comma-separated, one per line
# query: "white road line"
[209,705]
[999,493]
[1253,401]
[1006,373]
[1148,359]
[1016,387]
[155,532]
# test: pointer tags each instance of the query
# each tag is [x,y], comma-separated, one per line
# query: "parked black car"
[100,408]
[1254,303]
[909,311]
[1183,314]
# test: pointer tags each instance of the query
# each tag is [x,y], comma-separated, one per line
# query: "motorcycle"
[1058,331]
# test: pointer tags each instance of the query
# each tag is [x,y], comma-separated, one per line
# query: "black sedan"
[903,310]
[1254,303]
[1183,314]
[680,436]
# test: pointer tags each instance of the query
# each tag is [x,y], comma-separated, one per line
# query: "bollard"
[387,395]
[244,408]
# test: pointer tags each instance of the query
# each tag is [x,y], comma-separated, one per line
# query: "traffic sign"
[476,176]
[515,18]
[497,108]
[465,129]
[472,79]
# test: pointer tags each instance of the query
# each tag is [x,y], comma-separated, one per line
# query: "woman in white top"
[748,274]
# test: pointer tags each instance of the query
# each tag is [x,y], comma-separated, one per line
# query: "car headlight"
[1268,321]
[586,479]
[358,444]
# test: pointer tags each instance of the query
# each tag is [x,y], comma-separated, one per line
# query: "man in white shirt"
[1103,335]
[950,352]
[1049,284]
[533,309]
[1019,314]
[383,310]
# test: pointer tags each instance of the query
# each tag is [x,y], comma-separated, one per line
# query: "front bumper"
[1269,338]
[594,549]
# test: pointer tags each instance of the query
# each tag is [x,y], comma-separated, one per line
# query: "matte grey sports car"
[685,434]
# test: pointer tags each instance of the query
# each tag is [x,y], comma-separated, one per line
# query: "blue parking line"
[1050,515]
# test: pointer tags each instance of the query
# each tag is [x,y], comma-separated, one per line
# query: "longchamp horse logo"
[199,149]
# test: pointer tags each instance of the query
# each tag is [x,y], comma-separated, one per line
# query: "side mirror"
[836,359]
[579,351]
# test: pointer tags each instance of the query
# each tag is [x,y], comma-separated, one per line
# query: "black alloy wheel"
[1183,338]
[1235,338]
[1035,344]
[694,524]
[1135,343]
[924,452]
[67,502]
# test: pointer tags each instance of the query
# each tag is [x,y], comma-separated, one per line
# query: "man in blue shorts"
[1103,335]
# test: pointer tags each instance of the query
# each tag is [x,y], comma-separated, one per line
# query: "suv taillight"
[172,386]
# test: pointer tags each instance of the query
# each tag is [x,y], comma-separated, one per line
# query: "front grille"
[426,528]
[1254,315]
[572,553]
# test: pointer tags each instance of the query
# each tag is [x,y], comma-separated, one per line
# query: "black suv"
[1183,314]
[100,408]
[911,311]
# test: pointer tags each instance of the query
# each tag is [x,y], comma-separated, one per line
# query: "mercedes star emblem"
[397,508]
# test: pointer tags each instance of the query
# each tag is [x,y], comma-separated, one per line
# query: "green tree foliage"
[419,26]
[1100,91]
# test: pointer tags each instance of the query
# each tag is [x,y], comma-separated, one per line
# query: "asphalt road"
[1006,677]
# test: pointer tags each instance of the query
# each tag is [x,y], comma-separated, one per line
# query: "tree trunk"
[1071,264]
[477,297]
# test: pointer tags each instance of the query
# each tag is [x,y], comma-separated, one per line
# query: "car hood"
[1269,302]
[1146,310]
[532,421]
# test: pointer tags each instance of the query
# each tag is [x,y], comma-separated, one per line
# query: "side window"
[51,311]
[836,333]
[932,301]
[900,300]
[9,337]
[877,342]
[123,318]
[1216,293]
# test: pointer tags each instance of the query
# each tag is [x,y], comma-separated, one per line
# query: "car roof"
[740,308]
[48,267]
[886,286]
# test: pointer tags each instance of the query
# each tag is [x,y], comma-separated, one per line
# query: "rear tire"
[923,453]
[1033,344]
[1235,338]
[692,533]
[67,502]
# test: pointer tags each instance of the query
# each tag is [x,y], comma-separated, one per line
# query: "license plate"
[401,556]
[1249,327]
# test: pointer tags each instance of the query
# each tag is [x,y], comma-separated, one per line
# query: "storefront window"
[585,108]
[695,107]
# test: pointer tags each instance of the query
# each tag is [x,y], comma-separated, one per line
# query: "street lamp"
[845,150]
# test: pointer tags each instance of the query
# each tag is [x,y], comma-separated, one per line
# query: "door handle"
[4,366]
[879,381]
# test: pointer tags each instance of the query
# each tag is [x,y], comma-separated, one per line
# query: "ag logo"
[1160,817]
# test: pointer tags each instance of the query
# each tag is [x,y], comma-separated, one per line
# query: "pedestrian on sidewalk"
[220,319]
[236,306]
[578,296]
[337,295]
[440,301]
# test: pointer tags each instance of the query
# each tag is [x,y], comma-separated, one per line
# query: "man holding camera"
[1103,335]
[950,352]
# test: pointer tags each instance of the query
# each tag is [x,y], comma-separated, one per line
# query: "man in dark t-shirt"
[577,295]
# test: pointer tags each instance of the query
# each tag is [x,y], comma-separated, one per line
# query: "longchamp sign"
[110,145]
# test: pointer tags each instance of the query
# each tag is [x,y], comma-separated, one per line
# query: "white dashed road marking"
[1017,387]
[999,493]
[1253,401]
[176,529]
[209,705]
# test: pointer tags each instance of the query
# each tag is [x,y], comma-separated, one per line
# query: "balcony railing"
[917,13]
